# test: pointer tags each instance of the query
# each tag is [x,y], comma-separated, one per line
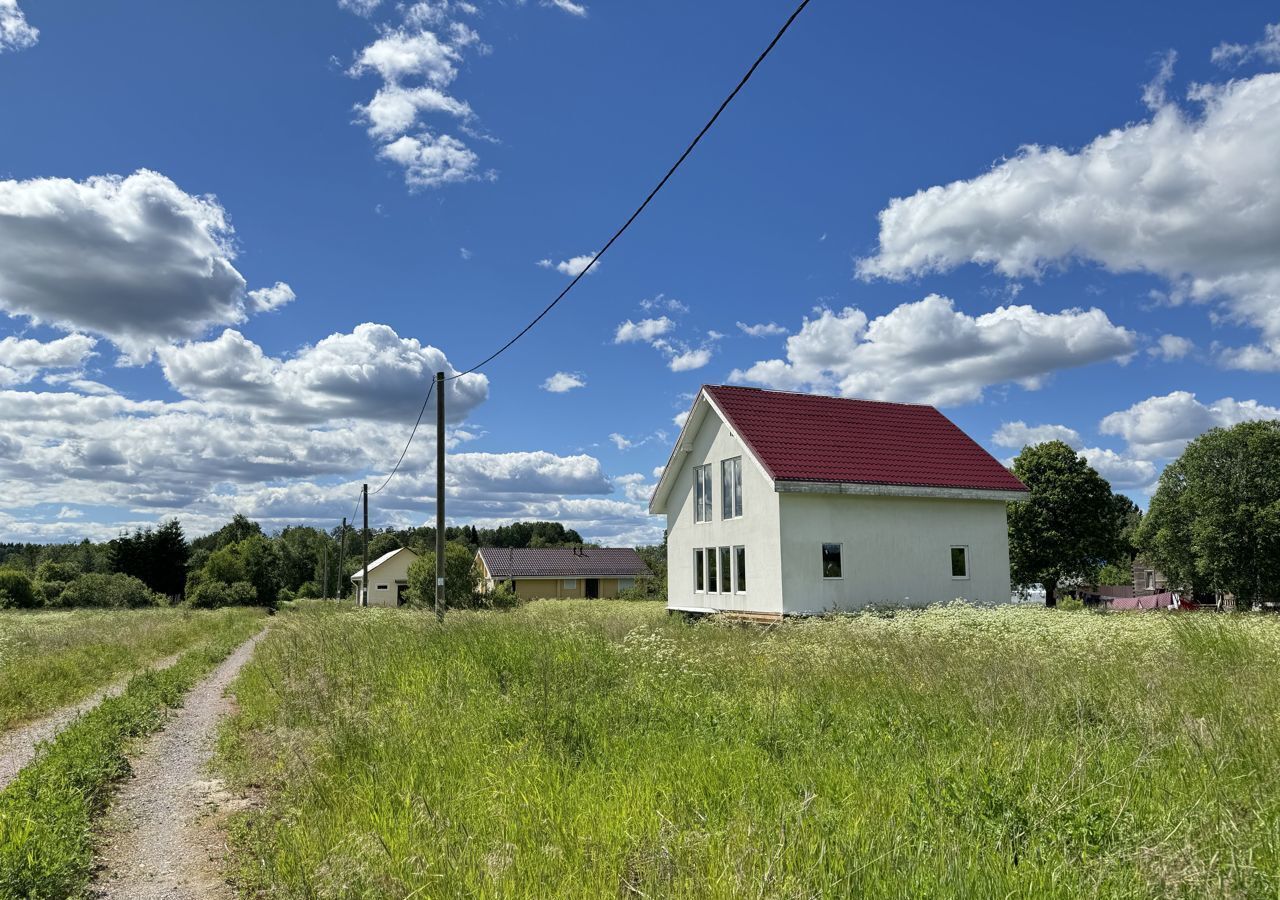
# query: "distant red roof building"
[811,438]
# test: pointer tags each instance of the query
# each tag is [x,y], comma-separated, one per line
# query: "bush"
[502,596]
[16,591]
[111,591]
[461,584]
[216,594]
[645,589]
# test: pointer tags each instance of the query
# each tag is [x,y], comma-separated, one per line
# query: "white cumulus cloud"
[1171,347]
[562,382]
[1017,435]
[764,329]
[22,359]
[1160,427]
[15,32]
[644,330]
[134,259]
[572,267]
[1193,198]
[930,352]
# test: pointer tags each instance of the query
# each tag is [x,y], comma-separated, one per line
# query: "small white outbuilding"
[388,578]
[781,503]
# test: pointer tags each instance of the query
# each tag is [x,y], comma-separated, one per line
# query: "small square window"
[571,584]
[831,567]
[379,587]
[959,562]
[626,584]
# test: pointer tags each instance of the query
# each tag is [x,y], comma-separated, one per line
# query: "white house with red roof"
[780,503]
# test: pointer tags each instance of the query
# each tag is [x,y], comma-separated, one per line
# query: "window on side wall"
[1151,580]
[713,584]
[959,562]
[570,584]
[380,587]
[739,570]
[831,562]
[726,566]
[702,506]
[731,488]
[699,571]
[626,584]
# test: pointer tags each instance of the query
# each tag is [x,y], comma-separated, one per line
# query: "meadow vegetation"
[53,659]
[47,813]
[589,749]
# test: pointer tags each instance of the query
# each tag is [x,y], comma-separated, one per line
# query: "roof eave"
[865,489]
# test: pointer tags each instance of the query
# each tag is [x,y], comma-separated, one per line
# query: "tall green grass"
[575,749]
[47,813]
[52,659]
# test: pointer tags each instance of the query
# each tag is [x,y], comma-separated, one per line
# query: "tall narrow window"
[731,488]
[702,508]
[831,567]
[726,566]
[959,562]
[739,570]
[699,573]
[713,586]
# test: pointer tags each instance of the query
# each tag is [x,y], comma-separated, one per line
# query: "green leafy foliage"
[16,590]
[1068,528]
[1214,521]
[110,591]
[461,582]
[157,557]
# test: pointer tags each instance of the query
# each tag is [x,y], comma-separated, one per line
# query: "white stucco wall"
[383,580]
[897,550]
[756,529]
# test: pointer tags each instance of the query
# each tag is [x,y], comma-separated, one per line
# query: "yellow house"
[545,573]
[388,578]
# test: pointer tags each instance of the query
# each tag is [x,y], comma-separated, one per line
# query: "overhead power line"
[609,243]
[653,193]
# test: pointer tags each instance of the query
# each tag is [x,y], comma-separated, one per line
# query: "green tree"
[461,582]
[16,590]
[1214,521]
[1068,527]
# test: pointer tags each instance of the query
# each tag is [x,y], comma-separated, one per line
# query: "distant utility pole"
[324,591]
[342,547]
[440,496]
[364,578]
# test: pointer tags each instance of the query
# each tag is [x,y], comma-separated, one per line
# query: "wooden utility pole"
[364,577]
[342,548]
[324,591]
[440,496]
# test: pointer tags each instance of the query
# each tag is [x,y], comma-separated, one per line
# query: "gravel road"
[159,842]
[18,747]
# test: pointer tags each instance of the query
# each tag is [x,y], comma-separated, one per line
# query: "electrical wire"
[617,234]
[653,193]
[403,452]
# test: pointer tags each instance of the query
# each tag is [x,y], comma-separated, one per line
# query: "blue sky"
[235,238]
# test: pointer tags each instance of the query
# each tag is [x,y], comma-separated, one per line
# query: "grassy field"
[580,749]
[52,659]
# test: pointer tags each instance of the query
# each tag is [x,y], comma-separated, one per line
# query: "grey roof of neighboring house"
[563,562]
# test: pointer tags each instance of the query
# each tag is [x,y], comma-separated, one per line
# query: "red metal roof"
[807,437]
[563,562]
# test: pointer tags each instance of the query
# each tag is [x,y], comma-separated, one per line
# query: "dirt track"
[18,747]
[158,842]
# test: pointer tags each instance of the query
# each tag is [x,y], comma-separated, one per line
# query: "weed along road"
[161,840]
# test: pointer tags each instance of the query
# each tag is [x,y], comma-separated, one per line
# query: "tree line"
[1212,527]
[239,564]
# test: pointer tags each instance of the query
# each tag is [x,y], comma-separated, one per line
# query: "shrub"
[461,585]
[113,591]
[645,589]
[502,596]
[216,594]
[16,591]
